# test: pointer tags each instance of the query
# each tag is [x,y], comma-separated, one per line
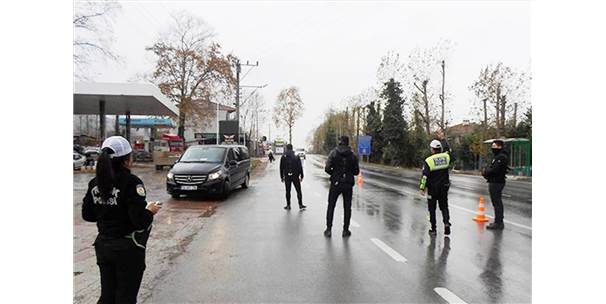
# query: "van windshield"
[203,155]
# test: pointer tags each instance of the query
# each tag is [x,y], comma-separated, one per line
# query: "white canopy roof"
[139,99]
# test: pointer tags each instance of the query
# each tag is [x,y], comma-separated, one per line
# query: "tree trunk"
[426,104]
[442,99]
[503,104]
[498,112]
[290,135]
[485,115]
[181,129]
[515,114]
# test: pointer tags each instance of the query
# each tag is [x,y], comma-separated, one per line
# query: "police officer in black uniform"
[495,176]
[291,173]
[435,180]
[115,200]
[342,165]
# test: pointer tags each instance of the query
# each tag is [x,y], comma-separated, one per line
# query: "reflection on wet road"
[254,251]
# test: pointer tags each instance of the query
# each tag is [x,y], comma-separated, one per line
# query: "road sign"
[364,145]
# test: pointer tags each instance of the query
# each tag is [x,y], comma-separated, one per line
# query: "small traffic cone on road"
[480,217]
[360,180]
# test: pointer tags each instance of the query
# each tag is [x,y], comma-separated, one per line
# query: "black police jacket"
[342,165]
[124,212]
[290,166]
[495,173]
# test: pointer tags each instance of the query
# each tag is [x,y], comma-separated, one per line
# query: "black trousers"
[496,192]
[333,194]
[288,182]
[438,196]
[121,265]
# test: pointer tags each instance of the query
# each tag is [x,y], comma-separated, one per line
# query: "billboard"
[364,145]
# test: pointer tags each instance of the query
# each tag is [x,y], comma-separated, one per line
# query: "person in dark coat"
[342,165]
[115,200]
[495,176]
[291,173]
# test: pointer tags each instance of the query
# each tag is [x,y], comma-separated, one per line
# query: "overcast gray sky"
[332,50]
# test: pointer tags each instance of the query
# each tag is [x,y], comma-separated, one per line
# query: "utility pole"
[442,125]
[217,118]
[238,70]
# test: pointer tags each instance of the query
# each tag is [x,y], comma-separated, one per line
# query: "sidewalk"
[399,171]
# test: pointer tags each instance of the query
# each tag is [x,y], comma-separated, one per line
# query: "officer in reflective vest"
[435,182]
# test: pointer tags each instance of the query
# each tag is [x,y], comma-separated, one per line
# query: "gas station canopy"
[121,98]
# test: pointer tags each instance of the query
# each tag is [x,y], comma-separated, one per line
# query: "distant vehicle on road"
[167,150]
[79,160]
[300,153]
[211,169]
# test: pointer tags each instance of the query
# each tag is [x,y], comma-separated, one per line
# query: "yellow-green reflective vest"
[438,161]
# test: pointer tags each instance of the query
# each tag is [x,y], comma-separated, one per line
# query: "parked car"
[210,169]
[91,154]
[300,153]
[79,160]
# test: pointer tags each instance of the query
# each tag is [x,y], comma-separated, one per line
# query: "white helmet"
[435,144]
[118,144]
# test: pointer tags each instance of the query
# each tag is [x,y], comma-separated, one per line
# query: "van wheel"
[225,190]
[246,181]
[158,168]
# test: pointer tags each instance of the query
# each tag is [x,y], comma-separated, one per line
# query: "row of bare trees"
[500,92]
[503,89]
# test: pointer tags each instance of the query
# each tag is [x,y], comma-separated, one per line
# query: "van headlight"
[170,177]
[214,175]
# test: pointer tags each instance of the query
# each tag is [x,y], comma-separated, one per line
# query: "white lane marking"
[354,224]
[448,295]
[506,195]
[490,216]
[392,253]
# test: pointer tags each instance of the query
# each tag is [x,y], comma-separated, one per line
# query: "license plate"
[189,187]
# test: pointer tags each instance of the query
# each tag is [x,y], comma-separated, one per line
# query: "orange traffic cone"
[480,217]
[360,180]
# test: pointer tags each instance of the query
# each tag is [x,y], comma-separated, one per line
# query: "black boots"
[495,226]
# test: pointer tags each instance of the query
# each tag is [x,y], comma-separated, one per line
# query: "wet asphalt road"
[252,250]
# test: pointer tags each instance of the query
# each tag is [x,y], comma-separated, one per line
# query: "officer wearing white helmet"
[115,200]
[435,182]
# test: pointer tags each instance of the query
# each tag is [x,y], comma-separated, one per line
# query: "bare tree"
[288,108]
[390,67]
[503,87]
[425,66]
[191,69]
[93,31]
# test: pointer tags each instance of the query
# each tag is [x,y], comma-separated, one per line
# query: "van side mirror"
[233,163]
